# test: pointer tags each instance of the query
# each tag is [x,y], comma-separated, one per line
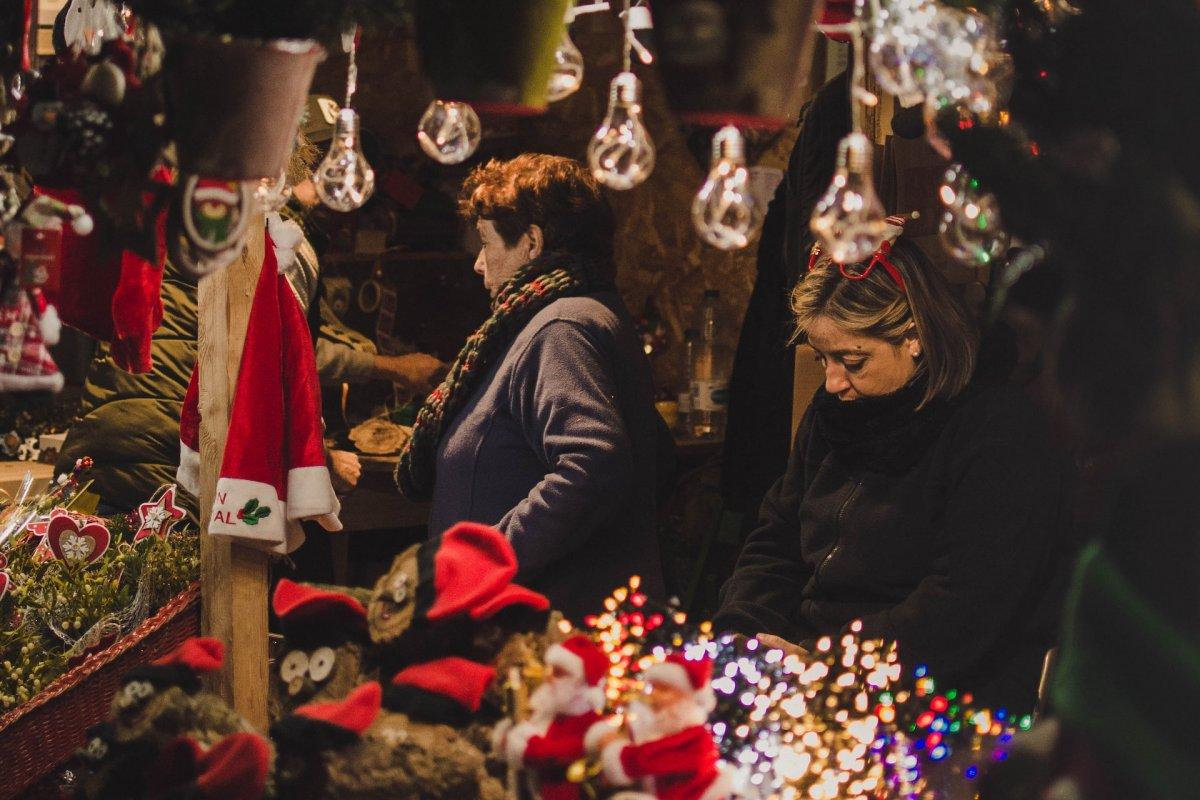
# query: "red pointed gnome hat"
[458,680]
[310,611]
[472,570]
[354,713]
[199,654]
[579,657]
[273,473]
[686,674]
[181,667]
[234,768]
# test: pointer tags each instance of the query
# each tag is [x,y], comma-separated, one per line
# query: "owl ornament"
[325,641]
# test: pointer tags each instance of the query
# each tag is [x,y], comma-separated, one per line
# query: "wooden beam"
[233,577]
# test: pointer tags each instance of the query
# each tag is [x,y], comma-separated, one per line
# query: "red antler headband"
[879,258]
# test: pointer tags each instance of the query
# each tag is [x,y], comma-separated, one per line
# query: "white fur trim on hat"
[564,659]
[187,474]
[610,763]
[676,676]
[12,382]
[225,195]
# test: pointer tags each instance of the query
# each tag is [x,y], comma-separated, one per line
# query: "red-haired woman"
[545,425]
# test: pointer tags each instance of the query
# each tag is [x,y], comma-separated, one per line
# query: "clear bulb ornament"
[621,154]
[567,74]
[898,34]
[344,180]
[272,194]
[724,210]
[849,221]
[449,131]
[970,229]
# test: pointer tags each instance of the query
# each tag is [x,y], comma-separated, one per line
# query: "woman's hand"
[776,643]
[344,470]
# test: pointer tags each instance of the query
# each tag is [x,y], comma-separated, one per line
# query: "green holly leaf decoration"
[252,513]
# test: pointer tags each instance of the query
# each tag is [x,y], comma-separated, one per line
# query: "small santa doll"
[565,719]
[672,753]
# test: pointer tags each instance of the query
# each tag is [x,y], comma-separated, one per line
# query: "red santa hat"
[320,616]
[445,690]
[582,659]
[472,571]
[234,768]
[273,473]
[837,12]
[692,675]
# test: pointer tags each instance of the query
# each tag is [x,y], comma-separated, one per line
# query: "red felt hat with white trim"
[686,674]
[579,657]
[273,473]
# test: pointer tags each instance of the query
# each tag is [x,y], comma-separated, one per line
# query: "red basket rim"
[95,661]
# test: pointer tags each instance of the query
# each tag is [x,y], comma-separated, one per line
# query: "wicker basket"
[38,736]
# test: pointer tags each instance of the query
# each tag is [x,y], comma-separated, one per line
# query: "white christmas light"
[849,221]
[724,211]
[449,131]
[272,194]
[621,153]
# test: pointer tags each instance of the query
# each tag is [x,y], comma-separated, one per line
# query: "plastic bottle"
[711,362]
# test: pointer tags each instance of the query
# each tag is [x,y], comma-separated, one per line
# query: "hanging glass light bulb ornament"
[621,154]
[898,31]
[566,76]
[724,210]
[272,194]
[970,228]
[449,131]
[344,180]
[849,221]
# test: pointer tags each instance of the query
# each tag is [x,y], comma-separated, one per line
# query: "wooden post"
[233,578]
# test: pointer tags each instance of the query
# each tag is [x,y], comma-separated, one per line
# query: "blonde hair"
[877,307]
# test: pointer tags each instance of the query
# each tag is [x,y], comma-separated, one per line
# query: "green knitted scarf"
[534,287]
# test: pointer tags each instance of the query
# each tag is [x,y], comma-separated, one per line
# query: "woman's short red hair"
[555,193]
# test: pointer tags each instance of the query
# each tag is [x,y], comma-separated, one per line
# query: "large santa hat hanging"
[273,473]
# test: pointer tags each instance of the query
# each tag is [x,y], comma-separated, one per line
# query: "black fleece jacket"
[953,544]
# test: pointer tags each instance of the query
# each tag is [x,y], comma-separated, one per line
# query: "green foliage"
[268,19]
[50,605]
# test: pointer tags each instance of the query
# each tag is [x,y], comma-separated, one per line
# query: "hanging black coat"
[760,403]
[944,529]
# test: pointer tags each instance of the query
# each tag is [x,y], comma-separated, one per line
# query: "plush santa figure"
[565,718]
[672,753]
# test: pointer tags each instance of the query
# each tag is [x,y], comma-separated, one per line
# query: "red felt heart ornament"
[76,543]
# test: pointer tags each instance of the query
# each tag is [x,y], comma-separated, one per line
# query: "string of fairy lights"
[846,723]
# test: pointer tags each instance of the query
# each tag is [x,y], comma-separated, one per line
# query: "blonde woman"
[920,495]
